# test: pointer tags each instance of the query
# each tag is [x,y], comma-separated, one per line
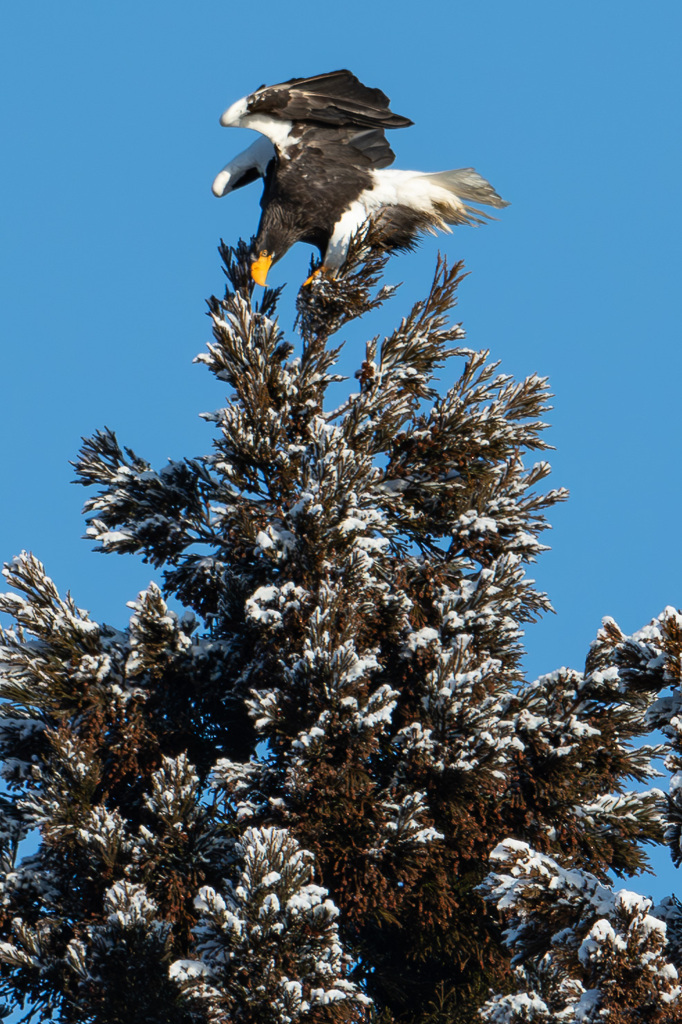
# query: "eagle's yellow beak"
[260,267]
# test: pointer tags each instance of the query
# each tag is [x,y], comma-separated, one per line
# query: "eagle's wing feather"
[367,148]
[245,168]
[372,147]
[337,98]
[333,114]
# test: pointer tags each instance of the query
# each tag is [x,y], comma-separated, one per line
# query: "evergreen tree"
[325,792]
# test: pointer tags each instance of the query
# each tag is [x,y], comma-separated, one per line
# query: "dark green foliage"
[282,804]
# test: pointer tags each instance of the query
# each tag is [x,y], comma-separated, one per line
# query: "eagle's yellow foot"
[309,280]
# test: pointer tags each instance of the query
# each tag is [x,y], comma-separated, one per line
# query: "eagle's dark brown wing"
[367,148]
[326,121]
[337,98]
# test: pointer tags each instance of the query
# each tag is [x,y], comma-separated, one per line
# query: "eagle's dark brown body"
[305,196]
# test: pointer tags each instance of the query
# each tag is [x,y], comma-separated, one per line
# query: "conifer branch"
[319,793]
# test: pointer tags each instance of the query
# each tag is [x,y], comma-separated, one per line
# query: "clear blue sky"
[109,229]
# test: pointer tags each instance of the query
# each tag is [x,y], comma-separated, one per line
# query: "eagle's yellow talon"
[309,280]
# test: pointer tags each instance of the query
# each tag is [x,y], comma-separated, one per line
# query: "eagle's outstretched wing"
[334,115]
[336,98]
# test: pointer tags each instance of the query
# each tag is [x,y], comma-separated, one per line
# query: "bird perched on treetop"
[323,155]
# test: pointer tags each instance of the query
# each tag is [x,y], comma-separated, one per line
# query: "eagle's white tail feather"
[440,196]
[466,183]
[449,191]
[406,203]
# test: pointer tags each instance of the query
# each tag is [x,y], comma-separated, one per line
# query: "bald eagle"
[324,157]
